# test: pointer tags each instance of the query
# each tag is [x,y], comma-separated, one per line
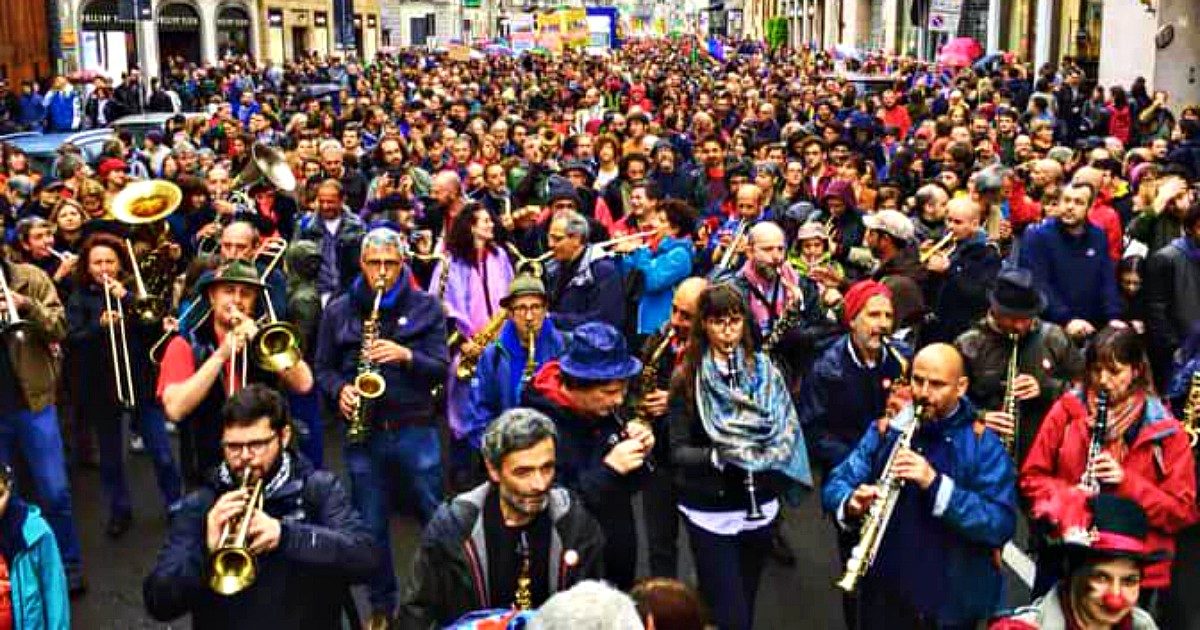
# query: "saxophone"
[1088,481]
[486,335]
[1010,400]
[648,382]
[531,361]
[880,513]
[1191,410]
[369,382]
[788,320]
[523,594]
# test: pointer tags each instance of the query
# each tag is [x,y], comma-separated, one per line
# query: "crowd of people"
[524,292]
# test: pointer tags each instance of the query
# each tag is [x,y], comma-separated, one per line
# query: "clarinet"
[1088,481]
[754,510]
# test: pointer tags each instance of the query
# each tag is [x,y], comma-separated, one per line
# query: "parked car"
[42,148]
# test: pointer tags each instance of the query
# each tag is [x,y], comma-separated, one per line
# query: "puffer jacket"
[449,576]
[1159,471]
[304,583]
[33,357]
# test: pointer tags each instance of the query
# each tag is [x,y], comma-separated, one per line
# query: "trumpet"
[944,247]
[739,237]
[369,382]
[118,345]
[232,568]
[604,245]
[239,362]
[10,319]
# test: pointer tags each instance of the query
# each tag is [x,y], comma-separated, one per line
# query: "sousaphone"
[267,164]
[146,201]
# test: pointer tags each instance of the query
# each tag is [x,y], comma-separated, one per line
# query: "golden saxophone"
[880,513]
[1010,399]
[648,382]
[1191,409]
[486,335]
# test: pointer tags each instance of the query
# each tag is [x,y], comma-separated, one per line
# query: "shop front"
[106,39]
[233,31]
[178,33]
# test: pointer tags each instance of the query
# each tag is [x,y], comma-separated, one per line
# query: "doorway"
[299,41]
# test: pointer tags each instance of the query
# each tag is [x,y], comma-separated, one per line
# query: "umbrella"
[960,51]
[499,50]
[84,76]
[846,51]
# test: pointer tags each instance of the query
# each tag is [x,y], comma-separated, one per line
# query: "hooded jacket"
[324,547]
[1159,471]
[450,571]
[588,289]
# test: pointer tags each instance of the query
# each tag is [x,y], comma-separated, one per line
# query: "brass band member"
[957,505]
[519,534]
[409,352]
[959,280]
[1144,455]
[309,544]
[199,366]
[91,324]
[506,368]
[736,444]
[1046,360]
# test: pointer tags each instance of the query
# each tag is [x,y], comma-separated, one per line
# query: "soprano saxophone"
[880,513]
[1010,399]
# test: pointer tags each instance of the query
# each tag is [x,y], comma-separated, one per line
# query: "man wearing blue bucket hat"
[600,455]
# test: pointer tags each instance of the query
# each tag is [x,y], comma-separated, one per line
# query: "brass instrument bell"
[232,568]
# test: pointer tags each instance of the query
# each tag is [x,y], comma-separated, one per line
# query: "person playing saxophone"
[506,366]
[957,504]
[410,355]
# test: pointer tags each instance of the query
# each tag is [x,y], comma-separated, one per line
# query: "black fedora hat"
[1015,295]
[1119,529]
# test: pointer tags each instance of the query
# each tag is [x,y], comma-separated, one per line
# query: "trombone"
[10,318]
[276,346]
[118,344]
[232,568]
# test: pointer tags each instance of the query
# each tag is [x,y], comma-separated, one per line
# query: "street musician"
[208,362]
[406,350]
[309,545]
[955,503]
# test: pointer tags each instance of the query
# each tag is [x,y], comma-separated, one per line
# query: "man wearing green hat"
[204,365]
[505,367]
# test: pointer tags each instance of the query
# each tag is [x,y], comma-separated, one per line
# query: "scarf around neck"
[756,433]
[282,473]
[1120,419]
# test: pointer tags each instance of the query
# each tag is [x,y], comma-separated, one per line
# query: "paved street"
[798,597]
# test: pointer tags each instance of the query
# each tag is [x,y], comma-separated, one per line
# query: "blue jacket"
[497,383]
[661,272]
[1073,272]
[589,289]
[937,553]
[407,316]
[840,399]
[33,110]
[61,111]
[39,582]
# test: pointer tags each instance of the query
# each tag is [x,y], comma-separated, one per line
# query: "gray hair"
[589,605]
[515,430]
[382,237]
[574,224]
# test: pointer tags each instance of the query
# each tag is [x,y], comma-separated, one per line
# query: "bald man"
[658,493]
[935,567]
[958,282]
[783,303]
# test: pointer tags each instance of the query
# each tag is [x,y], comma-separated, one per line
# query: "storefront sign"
[320,19]
[275,18]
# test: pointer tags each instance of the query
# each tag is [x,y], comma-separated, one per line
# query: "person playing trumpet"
[308,542]
[91,321]
[959,279]
[662,261]
[208,362]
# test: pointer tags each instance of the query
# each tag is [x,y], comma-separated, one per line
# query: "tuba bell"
[267,163]
[146,201]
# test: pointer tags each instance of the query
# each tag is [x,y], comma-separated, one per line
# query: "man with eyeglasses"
[410,355]
[582,282]
[506,367]
[309,543]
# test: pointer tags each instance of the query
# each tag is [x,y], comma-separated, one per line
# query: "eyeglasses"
[256,447]
[725,323]
[531,309]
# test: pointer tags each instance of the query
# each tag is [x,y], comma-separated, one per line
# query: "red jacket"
[1159,472]
[1104,217]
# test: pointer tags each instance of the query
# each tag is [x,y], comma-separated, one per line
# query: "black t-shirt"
[504,557]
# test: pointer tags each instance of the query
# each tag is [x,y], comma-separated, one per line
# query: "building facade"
[101,35]
[24,40]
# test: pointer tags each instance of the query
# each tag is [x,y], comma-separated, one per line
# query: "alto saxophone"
[1191,409]
[1010,400]
[648,382]
[787,321]
[369,382]
[880,513]
[486,335]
